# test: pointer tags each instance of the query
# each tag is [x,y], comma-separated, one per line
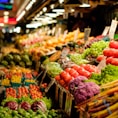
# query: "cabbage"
[39,105]
[11,105]
[25,105]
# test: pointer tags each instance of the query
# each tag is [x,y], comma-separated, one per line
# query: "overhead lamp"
[84,5]
[6,13]
[53,15]
[34,25]
[29,5]
[20,16]
[33,1]
[44,9]
[40,12]
[61,1]
[1,24]
[58,10]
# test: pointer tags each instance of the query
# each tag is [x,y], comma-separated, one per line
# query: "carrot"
[113,115]
[104,113]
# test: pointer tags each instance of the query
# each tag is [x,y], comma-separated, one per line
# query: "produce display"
[108,74]
[74,71]
[103,105]
[70,74]
[12,59]
[95,50]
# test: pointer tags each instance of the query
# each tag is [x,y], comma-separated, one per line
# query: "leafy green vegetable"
[53,69]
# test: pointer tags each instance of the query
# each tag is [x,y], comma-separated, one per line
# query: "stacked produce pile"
[12,59]
[103,105]
[46,44]
[18,76]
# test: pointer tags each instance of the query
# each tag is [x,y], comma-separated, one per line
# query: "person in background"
[97,18]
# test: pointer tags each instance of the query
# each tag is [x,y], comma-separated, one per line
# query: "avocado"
[4,63]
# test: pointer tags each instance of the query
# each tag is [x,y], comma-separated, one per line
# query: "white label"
[112,29]
[65,33]
[65,51]
[102,64]
[106,30]
[87,32]
[76,34]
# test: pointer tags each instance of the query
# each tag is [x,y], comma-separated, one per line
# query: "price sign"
[102,64]
[113,29]
[64,53]
[76,34]
[65,33]
[106,30]
[87,32]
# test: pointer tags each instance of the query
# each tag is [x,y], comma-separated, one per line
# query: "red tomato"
[108,60]
[68,78]
[113,44]
[76,67]
[73,73]
[61,82]
[109,52]
[90,68]
[57,77]
[115,53]
[114,61]
[100,58]
[84,72]
[67,69]
[63,74]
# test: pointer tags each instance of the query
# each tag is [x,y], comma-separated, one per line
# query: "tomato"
[108,60]
[73,73]
[114,61]
[75,67]
[68,78]
[63,74]
[109,52]
[84,72]
[61,82]
[100,58]
[57,77]
[67,69]
[90,68]
[113,44]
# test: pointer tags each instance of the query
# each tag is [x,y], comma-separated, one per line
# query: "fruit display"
[83,90]
[12,59]
[65,77]
[108,74]
[95,50]
[53,68]
[106,104]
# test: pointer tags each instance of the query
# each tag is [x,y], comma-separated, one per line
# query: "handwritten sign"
[87,32]
[106,30]
[113,29]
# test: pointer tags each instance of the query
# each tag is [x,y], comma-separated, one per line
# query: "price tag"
[58,33]
[113,29]
[87,32]
[76,34]
[65,33]
[106,30]
[64,53]
[102,64]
